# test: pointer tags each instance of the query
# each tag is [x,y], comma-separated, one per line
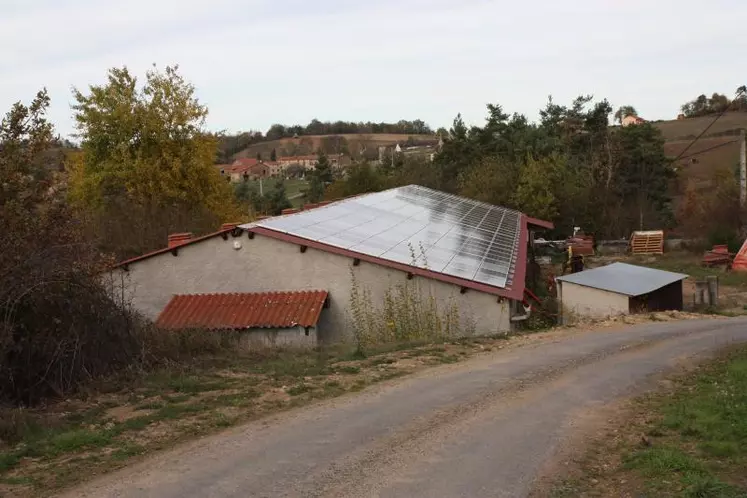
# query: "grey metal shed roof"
[623,278]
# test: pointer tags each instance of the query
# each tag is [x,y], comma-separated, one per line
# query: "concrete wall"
[265,264]
[591,303]
[295,337]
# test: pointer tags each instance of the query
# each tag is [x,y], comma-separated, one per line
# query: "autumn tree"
[146,164]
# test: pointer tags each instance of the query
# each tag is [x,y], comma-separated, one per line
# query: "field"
[684,129]
[310,144]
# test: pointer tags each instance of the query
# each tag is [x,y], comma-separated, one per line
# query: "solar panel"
[416,226]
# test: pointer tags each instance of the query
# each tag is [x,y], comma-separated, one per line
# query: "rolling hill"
[684,129]
[354,145]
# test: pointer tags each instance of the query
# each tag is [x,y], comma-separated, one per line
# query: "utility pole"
[742,169]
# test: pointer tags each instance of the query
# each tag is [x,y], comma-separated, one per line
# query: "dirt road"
[485,427]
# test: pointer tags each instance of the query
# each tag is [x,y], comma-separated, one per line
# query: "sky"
[259,62]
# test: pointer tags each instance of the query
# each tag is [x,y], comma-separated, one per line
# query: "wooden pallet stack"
[647,242]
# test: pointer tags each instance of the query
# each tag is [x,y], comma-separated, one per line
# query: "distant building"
[259,170]
[632,120]
[307,162]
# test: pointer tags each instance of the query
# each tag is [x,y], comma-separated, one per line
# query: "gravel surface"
[485,427]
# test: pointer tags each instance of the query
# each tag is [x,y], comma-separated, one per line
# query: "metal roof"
[419,227]
[243,310]
[623,278]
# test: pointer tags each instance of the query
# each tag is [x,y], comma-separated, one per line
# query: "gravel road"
[485,427]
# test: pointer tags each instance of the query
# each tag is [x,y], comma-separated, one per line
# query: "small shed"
[619,289]
[259,319]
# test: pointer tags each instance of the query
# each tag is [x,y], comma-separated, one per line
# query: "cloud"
[259,62]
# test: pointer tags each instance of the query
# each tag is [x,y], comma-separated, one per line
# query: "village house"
[632,119]
[307,162]
[460,253]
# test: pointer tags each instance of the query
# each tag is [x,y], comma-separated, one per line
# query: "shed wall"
[588,302]
[266,264]
[294,337]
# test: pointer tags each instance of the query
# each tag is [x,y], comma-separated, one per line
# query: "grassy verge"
[45,449]
[688,442]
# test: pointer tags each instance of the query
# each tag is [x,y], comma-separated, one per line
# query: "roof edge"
[539,223]
[169,249]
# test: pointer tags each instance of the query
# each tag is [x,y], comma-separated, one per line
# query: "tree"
[277,200]
[625,111]
[644,173]
[320,178]
[273,155]
[58,325]
[146,165]
[535,189]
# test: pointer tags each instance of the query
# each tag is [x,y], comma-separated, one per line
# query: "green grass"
[293,187]
[700,436]
[689,264]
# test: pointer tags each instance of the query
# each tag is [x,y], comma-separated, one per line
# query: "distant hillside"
[683,129]
[355,145]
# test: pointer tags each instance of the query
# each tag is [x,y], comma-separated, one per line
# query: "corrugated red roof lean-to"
[243,310]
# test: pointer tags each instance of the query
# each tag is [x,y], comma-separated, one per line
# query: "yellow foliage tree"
[145,151]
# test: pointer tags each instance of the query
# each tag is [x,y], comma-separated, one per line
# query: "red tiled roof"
[245,162]
[243,310]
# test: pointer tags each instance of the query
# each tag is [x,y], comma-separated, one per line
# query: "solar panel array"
[416,226]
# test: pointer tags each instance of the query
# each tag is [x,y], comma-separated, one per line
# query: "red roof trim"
[539,223]
[169,249]
[515,292]
[242,310]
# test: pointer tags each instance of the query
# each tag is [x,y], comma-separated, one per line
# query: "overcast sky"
[258,62]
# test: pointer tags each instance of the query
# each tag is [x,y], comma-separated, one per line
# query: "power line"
[739,93]
[707,150]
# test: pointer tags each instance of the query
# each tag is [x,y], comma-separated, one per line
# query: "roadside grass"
[46,449]
[688,442]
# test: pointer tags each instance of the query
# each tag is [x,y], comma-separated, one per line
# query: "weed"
[349,369]
[128,451]
[180,398]
[449,359]
[299,389]
[17,480]
[151,405]
[221,420]
[9,460]
[170,412]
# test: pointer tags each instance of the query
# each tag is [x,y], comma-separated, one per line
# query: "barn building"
[619,289]
[461,253]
